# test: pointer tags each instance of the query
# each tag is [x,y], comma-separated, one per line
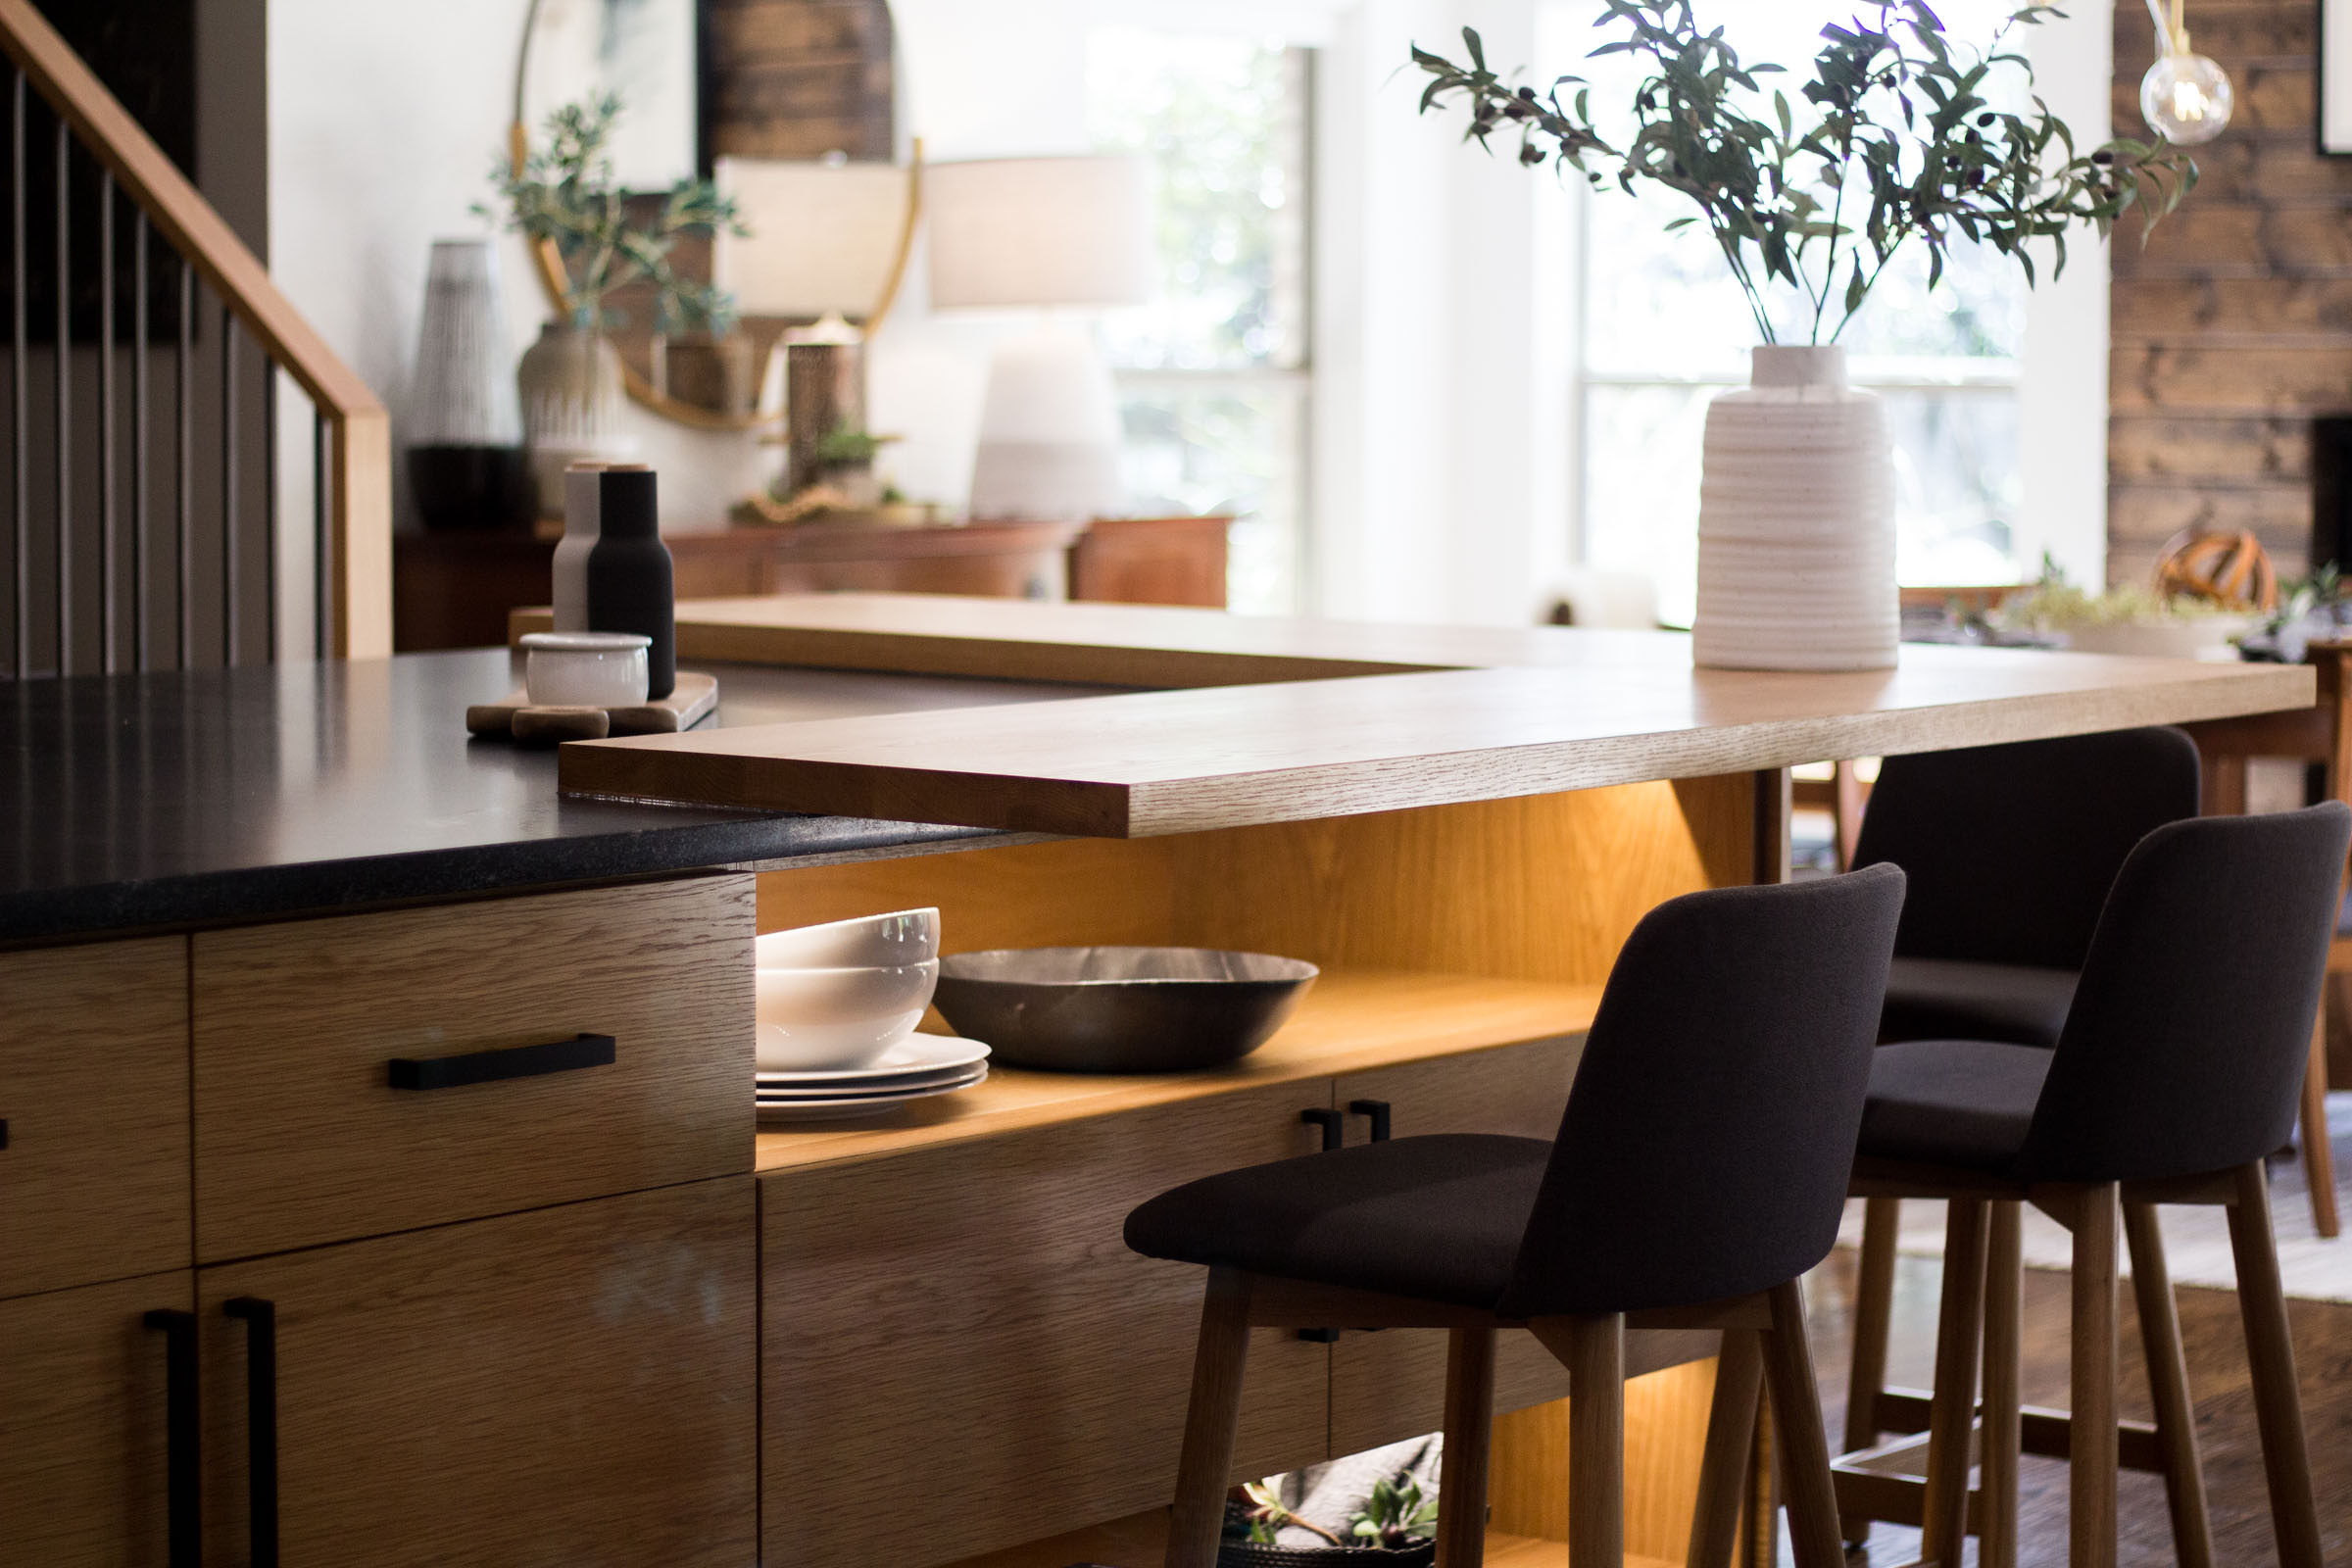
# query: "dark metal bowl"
[1119,1009]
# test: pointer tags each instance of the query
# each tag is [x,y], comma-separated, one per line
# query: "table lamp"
[1060,235]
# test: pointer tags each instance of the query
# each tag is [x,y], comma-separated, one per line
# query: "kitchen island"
[247,1288]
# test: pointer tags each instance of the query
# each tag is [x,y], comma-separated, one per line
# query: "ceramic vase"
[569,569]
[629,571]
[1796,521]
[465,432]
[569,382]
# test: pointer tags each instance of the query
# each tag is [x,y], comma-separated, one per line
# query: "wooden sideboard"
[454,589]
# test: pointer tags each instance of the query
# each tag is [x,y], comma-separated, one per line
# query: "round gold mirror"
[788,108]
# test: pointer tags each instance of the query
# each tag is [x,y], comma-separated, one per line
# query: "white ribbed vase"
[1796,521]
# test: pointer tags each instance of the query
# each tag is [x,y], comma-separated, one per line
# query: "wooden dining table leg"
[2168,1386]
[1204,1467]
[2319,1154]
[2271,1358]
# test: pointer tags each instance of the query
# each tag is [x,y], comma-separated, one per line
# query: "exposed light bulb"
[2187,99]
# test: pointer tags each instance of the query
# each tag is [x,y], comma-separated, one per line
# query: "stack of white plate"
[915,1068]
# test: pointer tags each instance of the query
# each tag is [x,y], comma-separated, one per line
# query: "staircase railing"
[185,572]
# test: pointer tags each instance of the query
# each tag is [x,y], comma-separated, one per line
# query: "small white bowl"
[586,668]
[909,936]
[838,1017]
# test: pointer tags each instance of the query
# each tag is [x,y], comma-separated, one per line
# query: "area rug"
[2196,1241]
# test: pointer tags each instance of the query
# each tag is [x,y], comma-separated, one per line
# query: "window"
[1213,378]
[1664,330]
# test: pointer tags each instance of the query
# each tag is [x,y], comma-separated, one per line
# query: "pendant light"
[2185,97]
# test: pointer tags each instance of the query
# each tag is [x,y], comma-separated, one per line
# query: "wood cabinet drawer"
[572,1387]
[94,1093]
[301,1137]
[82,1447]
[962,1333]
[1390,1385]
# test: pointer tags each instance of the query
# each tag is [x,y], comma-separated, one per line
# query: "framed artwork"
[2335,77]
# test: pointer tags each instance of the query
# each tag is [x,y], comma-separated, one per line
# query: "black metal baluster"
[184,493]
[228,488]
[321,606]
[140,607]
[64,418]
[269,508]
[20,481]
[106,420]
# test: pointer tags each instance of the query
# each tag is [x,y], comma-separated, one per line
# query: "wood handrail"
[359,484]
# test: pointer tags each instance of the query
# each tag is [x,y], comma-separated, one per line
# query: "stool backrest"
[2011,849]
[2186,1048]
[1710,1131]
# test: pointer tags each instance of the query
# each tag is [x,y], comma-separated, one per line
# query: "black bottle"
[629,572]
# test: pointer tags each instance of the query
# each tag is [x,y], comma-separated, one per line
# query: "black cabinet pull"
[260,1420]
[491,1067]
[3,1132]
[183,1496]
[1330,1121]
[1378,1110]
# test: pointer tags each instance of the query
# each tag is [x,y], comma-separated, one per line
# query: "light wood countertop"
[1506,712]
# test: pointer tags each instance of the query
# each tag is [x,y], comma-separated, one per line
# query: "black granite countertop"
[162,801]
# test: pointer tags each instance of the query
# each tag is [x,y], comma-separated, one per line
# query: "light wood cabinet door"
[94,1095]
[573,1387]
[301,1137]
[960,1337]
[1390,1385]
[83,1440]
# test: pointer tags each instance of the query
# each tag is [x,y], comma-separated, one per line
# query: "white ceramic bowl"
[840,1017]
[586,668]
[907,936]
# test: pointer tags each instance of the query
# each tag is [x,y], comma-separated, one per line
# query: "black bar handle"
[493,1066]
[3,1132]
[260,1420]
[1332,1124]
[1378,1110]
[183,1495]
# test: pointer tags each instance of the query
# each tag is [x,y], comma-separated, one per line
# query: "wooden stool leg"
[1958,1335]
[2091,1439]
[1796,1424]
[1723,1466]
[2004,1346]
[1873,1309]
[1469,1434]
[2270,1357]
[2319,1154]
[2168,1386]
[1596,1443]
[1204,1469]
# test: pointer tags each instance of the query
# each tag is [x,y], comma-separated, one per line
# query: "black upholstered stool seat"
[1944,999]
[1439,1217]
[1963,1102]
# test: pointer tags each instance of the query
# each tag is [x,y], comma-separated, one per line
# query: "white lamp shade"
[824,236]
[1039,231]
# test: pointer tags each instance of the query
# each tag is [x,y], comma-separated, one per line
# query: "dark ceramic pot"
[1253,1554]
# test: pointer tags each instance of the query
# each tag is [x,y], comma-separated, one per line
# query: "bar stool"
[1699,1169]
[2010,851]
[2178,1073]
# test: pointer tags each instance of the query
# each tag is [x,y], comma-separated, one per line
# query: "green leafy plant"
[847,446]
[565,196]
[1900,143]
[2051,604]
[1267,1515]
[1395,1515]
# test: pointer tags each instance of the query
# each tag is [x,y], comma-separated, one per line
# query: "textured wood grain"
[83,1448]
[2193,446]
[300,1141]
[573,1387]
[1176,761]
[94,1089]
[962,1331]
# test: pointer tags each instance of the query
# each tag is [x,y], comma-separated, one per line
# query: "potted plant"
[1894,141]
[1392,1529]
[2130,619]
[562,198]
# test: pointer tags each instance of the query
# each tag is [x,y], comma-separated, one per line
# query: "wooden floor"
[2217,1368]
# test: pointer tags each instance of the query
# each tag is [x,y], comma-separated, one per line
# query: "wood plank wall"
[2233,326]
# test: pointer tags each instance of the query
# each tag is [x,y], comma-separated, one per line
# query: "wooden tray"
[693,699]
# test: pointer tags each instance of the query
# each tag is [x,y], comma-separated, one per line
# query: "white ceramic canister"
[584,669]
[1796,521]
[581,526]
